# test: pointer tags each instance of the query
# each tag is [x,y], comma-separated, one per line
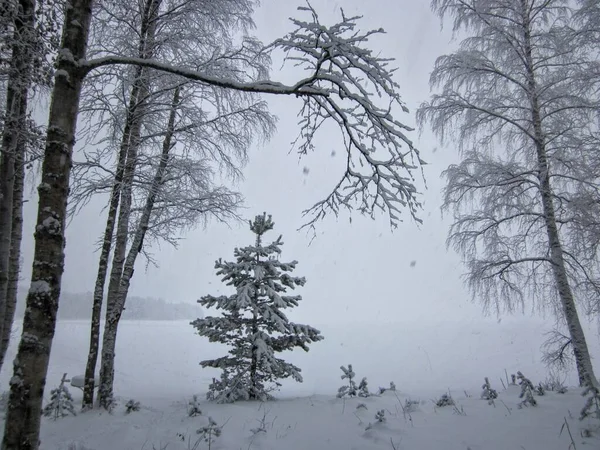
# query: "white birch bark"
[123,178]
[148,29]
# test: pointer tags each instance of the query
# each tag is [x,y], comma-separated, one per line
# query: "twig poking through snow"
[566,425]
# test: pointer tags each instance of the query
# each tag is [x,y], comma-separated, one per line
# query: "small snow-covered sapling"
[391,388]
[350,389]
[527,389]
[554,383]
[363,390]
[132,406]
[210,432]
[539,389]
[194,407]
[379,418]
[445,400]
[61,402]
[488,393]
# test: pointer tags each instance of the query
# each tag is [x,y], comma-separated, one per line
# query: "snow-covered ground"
[157,364]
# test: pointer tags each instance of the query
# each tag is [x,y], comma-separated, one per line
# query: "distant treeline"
[79,306]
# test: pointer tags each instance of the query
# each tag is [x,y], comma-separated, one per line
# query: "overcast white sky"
[354,271]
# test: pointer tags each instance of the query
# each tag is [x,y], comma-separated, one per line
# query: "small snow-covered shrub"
[391,388]
[527,389]
[352,389]
[379,418]
[210,432]
[554,383]
[132,406]
[363,390]
[61,402]
[194,407]
[539,389]
[444,400]
[488,393]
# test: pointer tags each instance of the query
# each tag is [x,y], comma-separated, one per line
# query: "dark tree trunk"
[15,246]
[22,425]
[15,126]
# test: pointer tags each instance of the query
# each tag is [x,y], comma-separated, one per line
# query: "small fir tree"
[349,389]
[132,406]
[61,402]
[194,407]
[488,393]
[445,400]
[210,432]
[253,321]
[527,390]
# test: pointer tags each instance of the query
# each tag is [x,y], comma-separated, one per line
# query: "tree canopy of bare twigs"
[516,99]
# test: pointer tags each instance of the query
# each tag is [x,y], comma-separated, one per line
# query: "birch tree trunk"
[90,368]
[22,424]
[15,244]
[148,29]
[118,306]
[563,286]
[15,126]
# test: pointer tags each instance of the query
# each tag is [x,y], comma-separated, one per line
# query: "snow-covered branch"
[346,84]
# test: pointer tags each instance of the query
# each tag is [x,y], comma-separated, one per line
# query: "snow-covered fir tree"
[253,321]
[61,402]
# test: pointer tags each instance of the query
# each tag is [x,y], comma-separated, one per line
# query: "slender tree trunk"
[22,425]
[563,286]
[90,368]
[15,126]
[132,122]
[15,245]
[118,306]
[120,249]
[113,314]
[254,350]
[138,240]
[254,359]
[7,177]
